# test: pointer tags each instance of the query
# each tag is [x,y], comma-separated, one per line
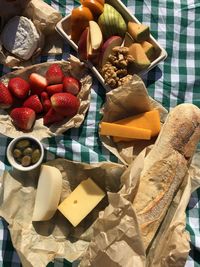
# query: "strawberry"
[6,99]
[65,104]
[23,117]
[33,102]
[38,83]
[45,101]
[52,116]
[19,87]
[54,74]
[55,88]
[71,85]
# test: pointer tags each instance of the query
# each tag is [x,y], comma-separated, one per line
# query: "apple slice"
[83,44]
[96,37]
[108,46]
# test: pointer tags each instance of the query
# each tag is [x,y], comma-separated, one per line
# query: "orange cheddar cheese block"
[148,120]
[114,129]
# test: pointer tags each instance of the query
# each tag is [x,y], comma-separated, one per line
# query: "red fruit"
[45,101]
[38,83]
[52,116]
[6,99]
[53,89]
[54,74]
[65,104]
[19,87]
[71,85]
[23,117]
[34,103]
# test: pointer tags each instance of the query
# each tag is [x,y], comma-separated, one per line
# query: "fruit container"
[63,27]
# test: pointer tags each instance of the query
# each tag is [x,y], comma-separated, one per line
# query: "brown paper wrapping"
[44,18]
[39,243]
[73,67]
[117,240]
[130,99]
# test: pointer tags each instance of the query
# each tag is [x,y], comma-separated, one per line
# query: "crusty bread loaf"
[165,167]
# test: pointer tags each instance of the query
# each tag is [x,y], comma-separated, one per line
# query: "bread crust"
[165,167]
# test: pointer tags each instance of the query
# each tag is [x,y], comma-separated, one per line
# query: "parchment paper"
[130,99]
[117,240]
[39,243]
[73,67]
[44,17]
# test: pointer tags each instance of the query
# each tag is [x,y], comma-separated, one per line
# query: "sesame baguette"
[165,167]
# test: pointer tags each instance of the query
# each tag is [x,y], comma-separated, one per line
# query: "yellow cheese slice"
[147,120]
[81,201]
[48,193]
[114,129]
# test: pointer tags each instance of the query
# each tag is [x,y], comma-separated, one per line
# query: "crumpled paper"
[44,17]
[39,243]
[72,67]
[129,99]
[117,240]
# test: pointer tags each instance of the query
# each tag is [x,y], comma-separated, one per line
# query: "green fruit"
[111,22]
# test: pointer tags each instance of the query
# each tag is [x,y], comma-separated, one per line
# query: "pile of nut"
[26,152]
[115,71]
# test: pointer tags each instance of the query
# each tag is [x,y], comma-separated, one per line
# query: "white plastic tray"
[118,5]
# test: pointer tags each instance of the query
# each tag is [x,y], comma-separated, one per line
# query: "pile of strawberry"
[53,97]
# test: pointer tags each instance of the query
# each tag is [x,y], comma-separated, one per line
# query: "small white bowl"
[14,163]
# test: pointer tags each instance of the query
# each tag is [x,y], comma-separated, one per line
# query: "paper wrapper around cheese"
[44,17]
[73,67]
[130,99]
[117,239]
[39,243]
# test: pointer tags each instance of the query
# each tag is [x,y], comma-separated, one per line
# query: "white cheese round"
[20,37]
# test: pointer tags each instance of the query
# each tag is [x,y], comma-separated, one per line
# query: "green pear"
[111,22]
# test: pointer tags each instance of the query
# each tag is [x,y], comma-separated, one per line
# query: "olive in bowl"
[25,153]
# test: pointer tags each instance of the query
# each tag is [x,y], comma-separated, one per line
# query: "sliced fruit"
[107,47]
[6,99]
[80,18]
[65,104]
[148,49]
[137,52]
[95,7]
[54,74]
[38,83]
[139,32]
[71,85]
[34,103]
[100,1]
[52,116]
[55,88]
[19,87]
[23,117]
[96,37]
[83,44]
[128,40]
[111,22]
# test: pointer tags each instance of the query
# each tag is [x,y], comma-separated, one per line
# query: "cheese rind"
[81,201]
[147,120]
[48,193]
[114,129]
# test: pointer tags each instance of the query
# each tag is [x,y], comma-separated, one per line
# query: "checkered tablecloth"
[176,26]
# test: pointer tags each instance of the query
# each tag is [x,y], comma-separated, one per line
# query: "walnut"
[112,82]
[130,59]
[126,79]
[121,72]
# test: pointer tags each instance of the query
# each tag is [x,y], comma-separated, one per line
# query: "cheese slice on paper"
[81,201]
[148,120]
[114,129]
[48,193]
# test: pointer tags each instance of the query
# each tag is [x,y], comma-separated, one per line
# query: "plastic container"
[63,28]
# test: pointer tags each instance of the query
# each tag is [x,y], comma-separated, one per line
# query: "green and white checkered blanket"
[176,26]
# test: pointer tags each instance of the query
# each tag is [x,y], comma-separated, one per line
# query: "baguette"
[165,167]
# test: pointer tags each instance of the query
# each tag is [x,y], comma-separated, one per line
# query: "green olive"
[27,151]
[26,161]
[17,153]
[36,155]
[23,144]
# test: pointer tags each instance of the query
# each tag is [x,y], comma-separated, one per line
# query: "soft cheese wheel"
[20,37]
[48,193]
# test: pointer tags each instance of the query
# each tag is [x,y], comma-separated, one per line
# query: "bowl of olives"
[25,153]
